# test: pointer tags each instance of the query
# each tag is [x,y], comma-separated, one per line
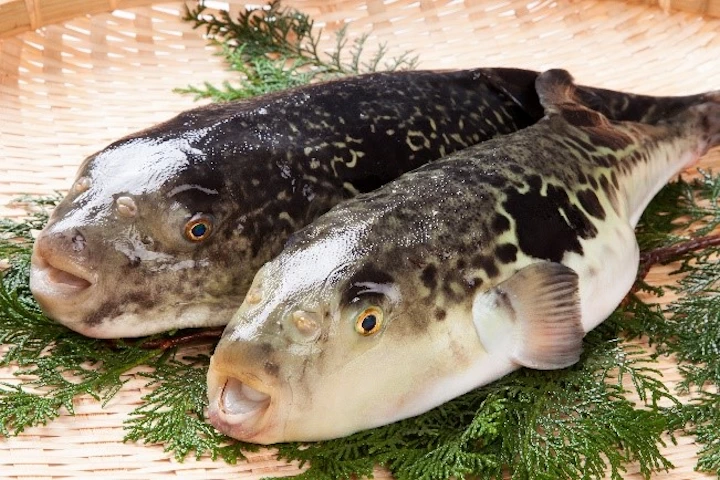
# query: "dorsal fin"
[555,88]
[558,96]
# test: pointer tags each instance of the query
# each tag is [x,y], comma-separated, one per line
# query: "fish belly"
[606,270]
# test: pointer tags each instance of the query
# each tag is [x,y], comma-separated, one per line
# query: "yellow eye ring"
[369,321]
[198,228]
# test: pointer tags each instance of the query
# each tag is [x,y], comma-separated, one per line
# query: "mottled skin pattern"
[259,170]
[422,249]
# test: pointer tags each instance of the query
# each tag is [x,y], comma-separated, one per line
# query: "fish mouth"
[240,399]
[239,408]
[53,278]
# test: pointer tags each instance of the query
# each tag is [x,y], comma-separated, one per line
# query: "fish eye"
[198,228]
[369,321]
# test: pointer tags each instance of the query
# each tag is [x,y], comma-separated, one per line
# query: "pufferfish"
[500,256]
[165,228]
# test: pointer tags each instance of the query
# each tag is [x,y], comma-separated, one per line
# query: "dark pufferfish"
[499,256]
[165,228]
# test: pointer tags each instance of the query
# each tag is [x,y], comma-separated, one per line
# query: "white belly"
[606,270]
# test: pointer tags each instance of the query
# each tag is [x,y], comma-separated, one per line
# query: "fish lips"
[61,285]
[243,407]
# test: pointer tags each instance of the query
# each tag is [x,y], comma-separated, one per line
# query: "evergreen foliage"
[173,413]
[274,48]
[573,423]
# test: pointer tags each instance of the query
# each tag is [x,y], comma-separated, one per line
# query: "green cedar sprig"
[701,418]
[173,413]
[690,328]
[698,201]
[274,48]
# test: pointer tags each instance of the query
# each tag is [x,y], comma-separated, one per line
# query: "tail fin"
[702,119]
[630,107]
[709,113]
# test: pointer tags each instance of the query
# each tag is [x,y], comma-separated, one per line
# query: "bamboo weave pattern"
[89,76]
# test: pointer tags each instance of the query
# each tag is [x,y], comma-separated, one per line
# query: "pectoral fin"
[540,306]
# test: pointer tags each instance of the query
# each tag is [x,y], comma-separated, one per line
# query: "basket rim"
[19,16]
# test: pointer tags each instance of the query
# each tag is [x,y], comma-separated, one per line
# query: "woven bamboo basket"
[77,74]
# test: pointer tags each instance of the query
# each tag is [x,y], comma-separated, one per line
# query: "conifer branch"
[673,252]
[203,335]
[274,48]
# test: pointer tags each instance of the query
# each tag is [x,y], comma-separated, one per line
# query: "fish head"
[137,245]
[326,343]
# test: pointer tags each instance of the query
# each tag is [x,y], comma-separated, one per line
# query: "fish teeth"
[239,398]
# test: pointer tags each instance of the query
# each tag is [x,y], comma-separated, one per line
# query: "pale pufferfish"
[165,228]
[502,255]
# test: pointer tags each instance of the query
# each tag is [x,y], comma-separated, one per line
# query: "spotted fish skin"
[501,255]
[115,259]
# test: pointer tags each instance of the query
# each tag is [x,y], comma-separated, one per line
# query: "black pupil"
[369,323]
[199,230]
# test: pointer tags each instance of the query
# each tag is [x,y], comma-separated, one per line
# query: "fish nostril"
[126,207]
[306,323]
[78,242]
[62,240]
[82,184]
[253,296]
